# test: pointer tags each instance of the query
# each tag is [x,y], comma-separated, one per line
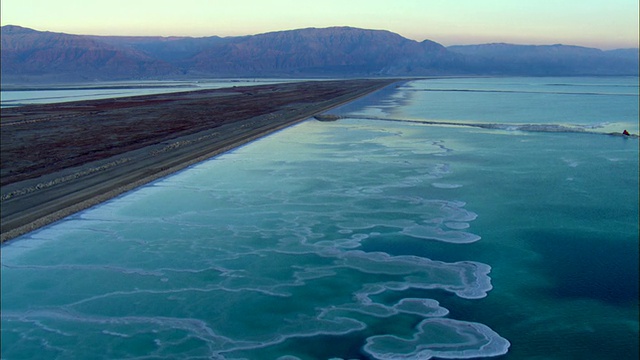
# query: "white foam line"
[475,340]
[88,267]
[547,128]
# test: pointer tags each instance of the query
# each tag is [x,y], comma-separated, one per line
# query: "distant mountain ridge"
[543,60]
[29,55]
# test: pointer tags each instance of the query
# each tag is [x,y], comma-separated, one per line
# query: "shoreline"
[146,147]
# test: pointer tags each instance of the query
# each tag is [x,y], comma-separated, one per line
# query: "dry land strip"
[57,159]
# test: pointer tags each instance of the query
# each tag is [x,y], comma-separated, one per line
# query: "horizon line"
[320,28]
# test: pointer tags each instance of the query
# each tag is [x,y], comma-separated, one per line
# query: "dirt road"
[58,159]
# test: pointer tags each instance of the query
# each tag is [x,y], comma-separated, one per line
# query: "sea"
[21,95]
[450,218]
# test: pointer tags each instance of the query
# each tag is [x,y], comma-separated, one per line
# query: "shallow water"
[13,97]
[359,238]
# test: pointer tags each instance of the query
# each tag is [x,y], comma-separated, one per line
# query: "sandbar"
[58,159]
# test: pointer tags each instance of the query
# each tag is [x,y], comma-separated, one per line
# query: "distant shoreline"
[58,159]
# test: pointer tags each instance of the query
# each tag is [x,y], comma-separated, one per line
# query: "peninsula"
[57,159]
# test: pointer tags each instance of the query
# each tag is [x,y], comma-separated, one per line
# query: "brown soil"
[57,159]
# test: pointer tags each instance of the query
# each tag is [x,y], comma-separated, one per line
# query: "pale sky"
[604,24]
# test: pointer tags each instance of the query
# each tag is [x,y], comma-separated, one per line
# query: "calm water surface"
[16,96]
[361,239]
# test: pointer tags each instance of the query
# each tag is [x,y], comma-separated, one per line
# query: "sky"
[604,24]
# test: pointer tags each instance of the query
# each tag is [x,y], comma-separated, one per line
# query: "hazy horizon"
[253,34]
[603,24]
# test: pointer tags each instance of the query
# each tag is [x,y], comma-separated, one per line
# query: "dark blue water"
[361,238]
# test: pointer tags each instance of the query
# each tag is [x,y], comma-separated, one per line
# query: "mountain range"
[40,56]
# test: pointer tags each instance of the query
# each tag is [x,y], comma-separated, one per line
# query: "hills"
[548,60]
[29,56]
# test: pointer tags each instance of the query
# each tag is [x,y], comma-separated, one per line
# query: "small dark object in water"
[327,117]
[626,133]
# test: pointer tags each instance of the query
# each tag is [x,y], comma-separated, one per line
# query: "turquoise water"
[360,239]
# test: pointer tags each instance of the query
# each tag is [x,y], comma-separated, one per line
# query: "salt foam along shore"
[32,203]
[281,253]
